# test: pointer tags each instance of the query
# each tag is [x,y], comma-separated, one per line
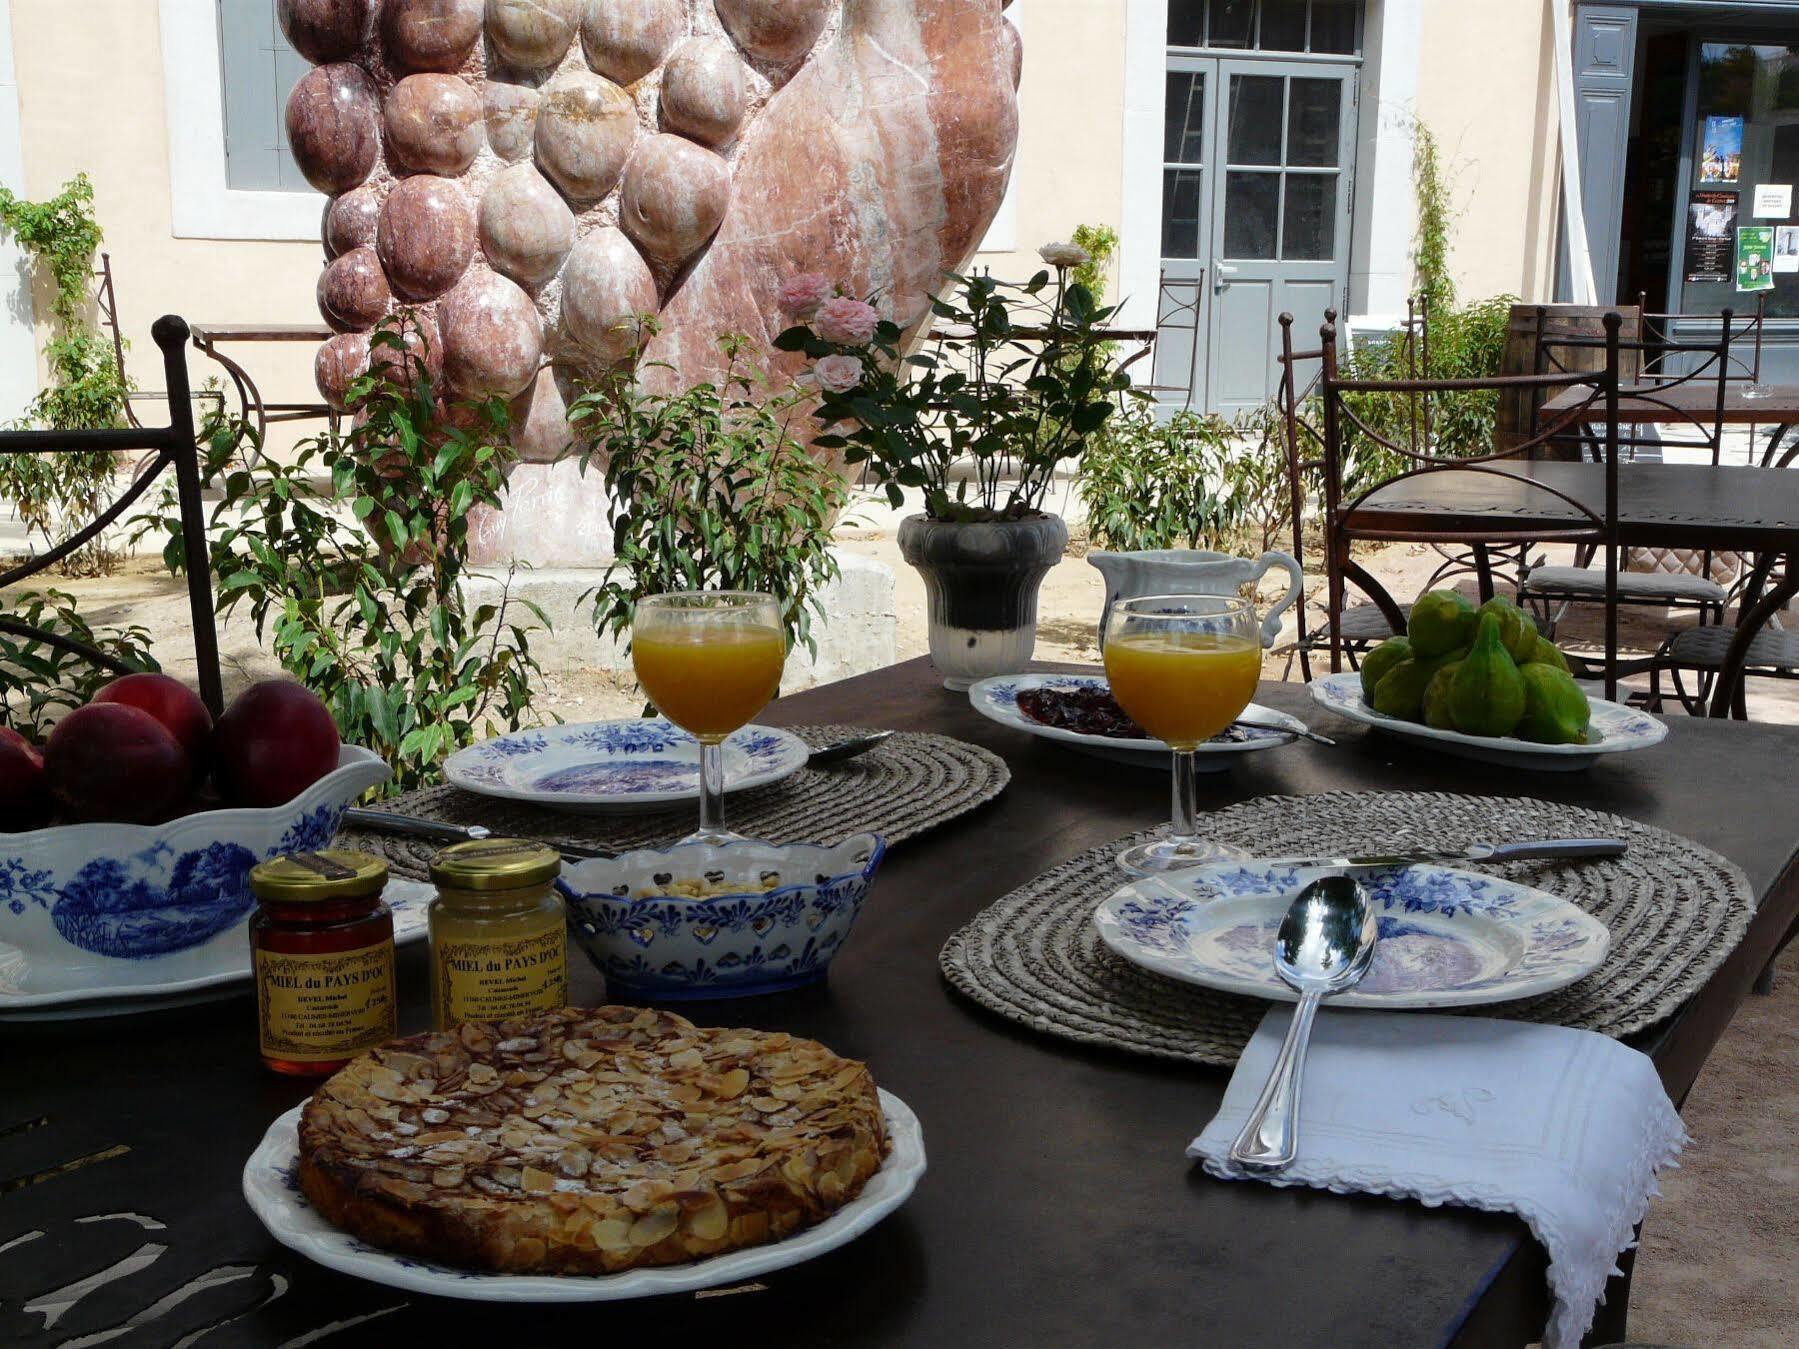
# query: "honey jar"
[499,941]
[322,949]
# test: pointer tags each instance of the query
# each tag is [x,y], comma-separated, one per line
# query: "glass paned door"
[1255,219]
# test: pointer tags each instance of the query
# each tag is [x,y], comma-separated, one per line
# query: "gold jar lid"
[310,877]
[495,864]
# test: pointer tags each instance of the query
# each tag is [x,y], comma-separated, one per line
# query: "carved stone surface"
[433,124]
[540,429]
[339,363]
[674,197]
[334,126]
[350,219]
[426,237]
[430,34]
[682,160]
[492,337]
[511,113]
[585,127]
[606,286]
[526,227]
[326,30]
[778,32]
[423,342]
[627,39]
[353,293]
[705,91]
[532,34]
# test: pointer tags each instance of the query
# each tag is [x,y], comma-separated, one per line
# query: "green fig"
[1441,621]
[1436,696]
[1376,664]
[1486,696]
[1547,653]
[1400,692]
[1517,629]
[1556,712]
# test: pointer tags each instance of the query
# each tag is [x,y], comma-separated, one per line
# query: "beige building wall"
[1486,90]
[91,99]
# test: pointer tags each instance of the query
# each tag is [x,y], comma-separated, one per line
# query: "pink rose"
[801,295]
[839,374]
[845,322]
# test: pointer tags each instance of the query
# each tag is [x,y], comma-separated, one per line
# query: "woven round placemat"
[910,782]
[1675,911]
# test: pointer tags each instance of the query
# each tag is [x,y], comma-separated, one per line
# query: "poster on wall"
[1721,159]
[1755,257]
[1711,225]
[1786,248]
[1772,201]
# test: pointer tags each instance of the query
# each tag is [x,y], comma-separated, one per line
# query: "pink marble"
[430,34]
[351,219]
[340,362]
[492,337]
[585,128]
[426,237]
[526,227]
[674,197]
[334,126]
[417,329]
[627,39]
[433,124]
[326,30]
[705,92]
[777,32]
[352,292]
[532,34]
[606,288]
[511,113]
[540,429]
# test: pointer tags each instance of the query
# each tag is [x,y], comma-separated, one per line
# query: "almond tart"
[588,1141]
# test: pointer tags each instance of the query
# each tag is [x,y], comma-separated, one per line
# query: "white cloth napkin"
[1563,1127]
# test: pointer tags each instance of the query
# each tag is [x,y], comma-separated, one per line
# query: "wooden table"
[1746,510]
[1058,1209]
[257,412]
[1777,406]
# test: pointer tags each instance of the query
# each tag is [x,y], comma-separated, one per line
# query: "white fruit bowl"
[115,903]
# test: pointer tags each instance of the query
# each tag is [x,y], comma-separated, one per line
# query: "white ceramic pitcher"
[1192,571]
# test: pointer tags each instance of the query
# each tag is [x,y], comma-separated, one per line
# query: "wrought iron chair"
[1381,512]
[172,446]
[1663,363]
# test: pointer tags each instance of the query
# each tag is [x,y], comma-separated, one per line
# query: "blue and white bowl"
[96,905]
[785,912]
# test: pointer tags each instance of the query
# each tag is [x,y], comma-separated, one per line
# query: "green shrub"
[40,681]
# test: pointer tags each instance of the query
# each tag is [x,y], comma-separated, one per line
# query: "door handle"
[1221,276]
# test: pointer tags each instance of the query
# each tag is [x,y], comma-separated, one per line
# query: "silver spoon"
[1324,946]
[1294,731]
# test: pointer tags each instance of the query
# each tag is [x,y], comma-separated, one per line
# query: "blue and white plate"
[274,1196]
[1447,938]
[1615,730]
[997,699]
[39,991]
[603,767]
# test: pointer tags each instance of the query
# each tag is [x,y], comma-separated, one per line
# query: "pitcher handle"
[1271,622]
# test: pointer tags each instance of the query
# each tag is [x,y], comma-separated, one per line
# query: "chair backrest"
[1303,442]
[175,447]
[1528,327]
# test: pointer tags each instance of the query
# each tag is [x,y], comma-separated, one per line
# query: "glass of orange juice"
[709,660]
[1184,667]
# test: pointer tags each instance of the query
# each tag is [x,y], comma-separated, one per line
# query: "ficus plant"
[376,620]
[40,681]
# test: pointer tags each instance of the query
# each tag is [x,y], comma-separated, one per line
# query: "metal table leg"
[1727,694]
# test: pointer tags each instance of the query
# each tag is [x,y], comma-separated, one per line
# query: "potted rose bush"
[1015,380]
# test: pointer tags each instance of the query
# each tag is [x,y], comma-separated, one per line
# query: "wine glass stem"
[1186,797]
[712,787]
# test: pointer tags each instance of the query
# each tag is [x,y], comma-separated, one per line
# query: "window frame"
[202,204]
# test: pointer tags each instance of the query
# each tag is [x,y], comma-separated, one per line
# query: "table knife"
[437,831]
[1571,849]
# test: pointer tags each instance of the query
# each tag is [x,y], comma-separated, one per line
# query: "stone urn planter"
[981,580]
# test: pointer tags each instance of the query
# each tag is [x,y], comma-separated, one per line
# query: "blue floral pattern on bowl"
[782,913]
[102,900]
[617,765]
[1448,938]
[1615,728]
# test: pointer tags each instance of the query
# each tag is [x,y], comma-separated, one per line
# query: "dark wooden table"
[1754,511]
[1058,1209]
[1777,405]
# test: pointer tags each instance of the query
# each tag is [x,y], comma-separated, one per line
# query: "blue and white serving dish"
[772,918]
[597,767]
[1447,938]
[996,698]
[272,1189]
[1616,729]
[103,911]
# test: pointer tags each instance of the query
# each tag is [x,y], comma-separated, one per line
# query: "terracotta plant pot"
[981,579]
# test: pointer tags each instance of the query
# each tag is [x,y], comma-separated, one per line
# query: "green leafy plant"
[39,681]
[376,619]
[710,489]
[1192,481]
[1018,388]
[86,388]
[1101,244]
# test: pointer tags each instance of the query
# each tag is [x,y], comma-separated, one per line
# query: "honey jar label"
[320,1008]
[495,978]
